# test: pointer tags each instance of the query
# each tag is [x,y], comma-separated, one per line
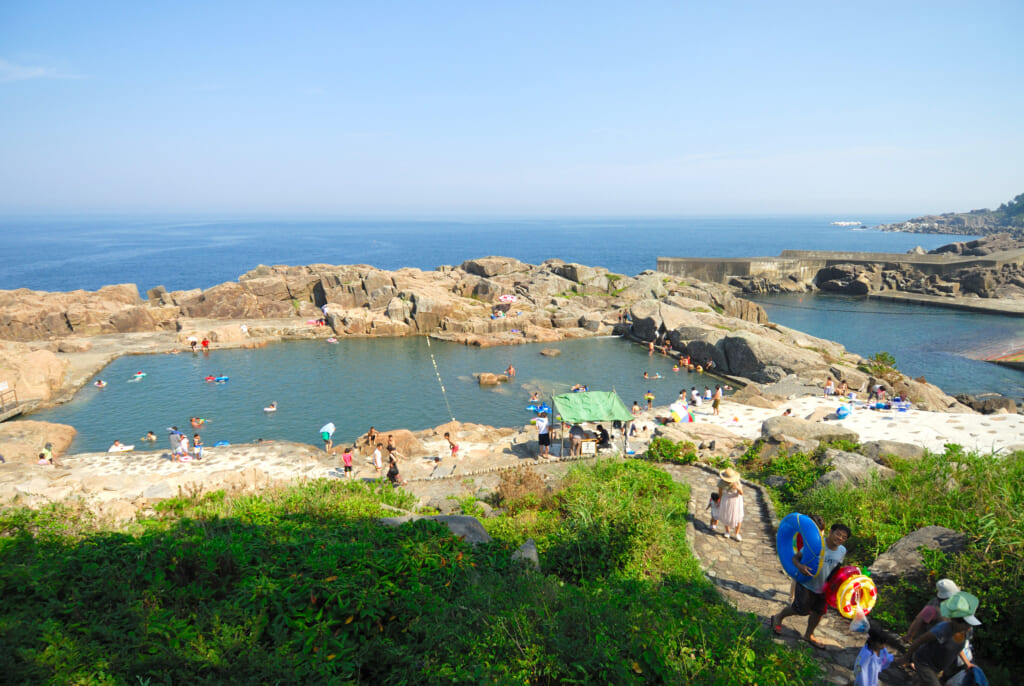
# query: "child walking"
[730,507]
[713,506]
[872,659]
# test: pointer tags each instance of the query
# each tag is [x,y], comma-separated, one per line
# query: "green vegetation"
[662,449]
[981,496]
[302,585]
[1011,213]
[882,365]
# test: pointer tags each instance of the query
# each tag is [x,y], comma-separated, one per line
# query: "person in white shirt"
[809,599]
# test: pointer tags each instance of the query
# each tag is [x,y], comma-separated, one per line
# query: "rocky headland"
[1008,218]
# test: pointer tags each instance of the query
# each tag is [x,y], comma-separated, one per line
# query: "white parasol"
[507,298]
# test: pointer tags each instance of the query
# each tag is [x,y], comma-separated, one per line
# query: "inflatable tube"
[857,592]
[838,577]
[211,378]
[532,408]
[220,444]
[122,449]
[812,552]
[220,379]
[332,340]
[100,384]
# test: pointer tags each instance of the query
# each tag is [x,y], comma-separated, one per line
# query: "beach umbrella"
[507,298]
[680,412]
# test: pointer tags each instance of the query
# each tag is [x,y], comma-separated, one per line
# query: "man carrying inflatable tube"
[809,599]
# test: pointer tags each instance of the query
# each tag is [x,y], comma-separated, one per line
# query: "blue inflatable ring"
[220,444]
[812,551]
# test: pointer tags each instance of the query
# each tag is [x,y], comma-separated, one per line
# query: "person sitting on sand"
[603,439]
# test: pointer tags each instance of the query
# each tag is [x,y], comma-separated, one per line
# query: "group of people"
[180,449]
[938,637]
[577,435]
[194,343]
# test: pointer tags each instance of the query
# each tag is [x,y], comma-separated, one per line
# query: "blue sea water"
[68,254]
[386,382]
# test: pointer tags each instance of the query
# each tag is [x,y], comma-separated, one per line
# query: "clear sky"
[435,108]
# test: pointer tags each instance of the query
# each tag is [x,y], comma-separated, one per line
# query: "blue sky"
[426,109]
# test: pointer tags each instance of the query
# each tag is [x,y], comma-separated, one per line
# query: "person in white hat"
[730,501]
[929,614]
[935,652]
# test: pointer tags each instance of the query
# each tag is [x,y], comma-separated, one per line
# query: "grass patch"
[302,585]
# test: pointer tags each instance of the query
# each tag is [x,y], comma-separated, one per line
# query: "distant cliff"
[1009,218]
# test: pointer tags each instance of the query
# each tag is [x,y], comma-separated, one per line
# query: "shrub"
[662,449]
[521,489]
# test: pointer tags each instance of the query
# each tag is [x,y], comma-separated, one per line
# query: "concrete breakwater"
[981,276]
[807,263]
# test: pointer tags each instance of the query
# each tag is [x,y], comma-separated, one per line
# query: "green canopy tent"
[591,406]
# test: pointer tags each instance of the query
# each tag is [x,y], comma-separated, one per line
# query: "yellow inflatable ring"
[857,592]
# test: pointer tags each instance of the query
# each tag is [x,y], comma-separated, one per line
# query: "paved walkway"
[748,574]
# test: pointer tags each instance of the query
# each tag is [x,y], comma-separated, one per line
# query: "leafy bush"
[883,366]
[662,449]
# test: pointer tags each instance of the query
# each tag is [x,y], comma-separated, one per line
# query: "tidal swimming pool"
[389,383]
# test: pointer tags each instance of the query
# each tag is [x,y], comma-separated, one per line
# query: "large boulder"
[903,558]
[31,373]
[780,429]
[22,441]
[469,528]
[878,450]
[850,469]
[492,266]
[765,360]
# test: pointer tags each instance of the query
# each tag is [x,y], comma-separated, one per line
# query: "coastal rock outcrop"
[32,373]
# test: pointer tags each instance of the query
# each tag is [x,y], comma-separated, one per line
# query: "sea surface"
[67,254]
[386,382]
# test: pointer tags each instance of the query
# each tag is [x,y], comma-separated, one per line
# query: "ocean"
[63,254]
[68,254]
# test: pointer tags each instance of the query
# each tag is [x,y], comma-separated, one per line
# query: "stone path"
[748,574]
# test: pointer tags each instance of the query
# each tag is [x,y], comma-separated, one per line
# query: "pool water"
[389,383]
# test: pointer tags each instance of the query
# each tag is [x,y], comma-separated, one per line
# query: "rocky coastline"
[54,343]
[1001,286]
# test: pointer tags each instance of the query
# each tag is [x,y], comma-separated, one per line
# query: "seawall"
[805,264]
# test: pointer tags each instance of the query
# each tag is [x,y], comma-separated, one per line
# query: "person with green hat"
[935,652]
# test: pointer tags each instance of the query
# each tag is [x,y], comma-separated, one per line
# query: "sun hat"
[946,588]
[961,605]
[730,475]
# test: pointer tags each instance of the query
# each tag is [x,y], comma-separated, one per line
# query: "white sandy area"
[985,434]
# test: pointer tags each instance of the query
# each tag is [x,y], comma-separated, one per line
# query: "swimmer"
[100,383]
[150,436]
[271,408]
[211,378]
[196,421]
[534,397]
